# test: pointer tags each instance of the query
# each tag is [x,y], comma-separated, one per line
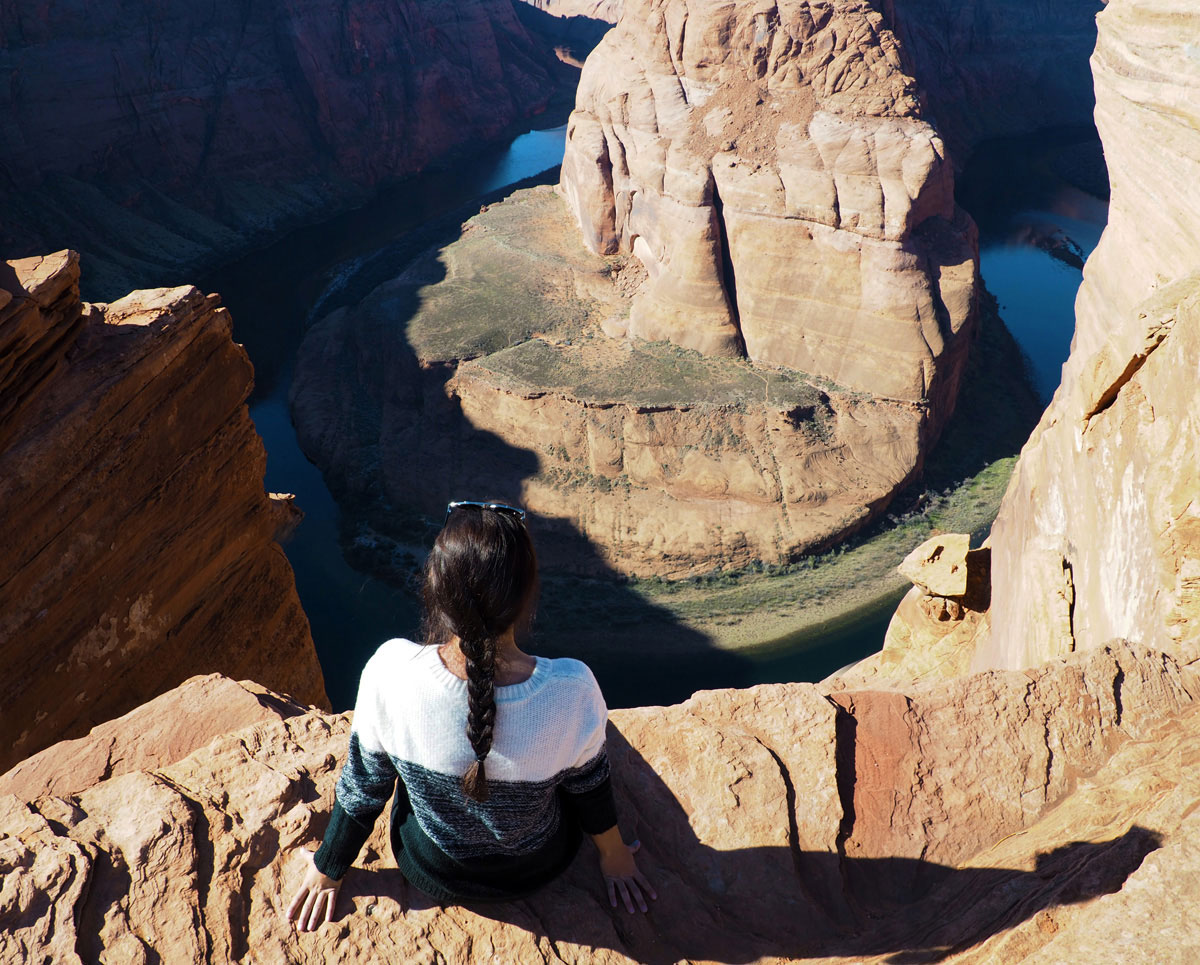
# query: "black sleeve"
[367,781]
[344,839]
[588,797]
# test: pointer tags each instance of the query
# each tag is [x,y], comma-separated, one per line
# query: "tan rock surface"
[1099,533]
[606,10]
[771,168]
[159,732]
[1004,817]
[664,461]
[138,542]
[939,565]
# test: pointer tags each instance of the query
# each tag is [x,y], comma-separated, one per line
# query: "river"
[1033,223]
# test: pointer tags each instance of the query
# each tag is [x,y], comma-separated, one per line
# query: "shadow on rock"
[738,906]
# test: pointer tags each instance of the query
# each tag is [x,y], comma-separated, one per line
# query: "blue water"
[275,293]
[1021,202]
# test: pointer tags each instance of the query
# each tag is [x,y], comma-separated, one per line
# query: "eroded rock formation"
[1099,533]
[139,546]
[501,380]
[606,10]
[772,171]
[772,226]
[155,135]
[988,819]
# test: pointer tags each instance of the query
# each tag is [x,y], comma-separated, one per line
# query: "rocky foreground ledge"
[1048,815]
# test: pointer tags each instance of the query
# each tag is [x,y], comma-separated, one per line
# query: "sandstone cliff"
[139,546]
[154,135]
[986,68]
[1043,816]
[754,358]
[605,10]
[1099,533]
[773,173]
[637,457]
[995,68]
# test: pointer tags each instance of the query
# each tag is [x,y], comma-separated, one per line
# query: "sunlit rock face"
[1099,533]
[772,169]
[139,546]
[154,135]
[1048,815]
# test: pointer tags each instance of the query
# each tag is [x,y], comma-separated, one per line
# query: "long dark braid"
[480,580]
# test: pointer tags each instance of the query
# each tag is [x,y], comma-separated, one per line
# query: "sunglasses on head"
[516,511]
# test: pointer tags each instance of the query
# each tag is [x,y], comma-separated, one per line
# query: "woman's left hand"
[315,900]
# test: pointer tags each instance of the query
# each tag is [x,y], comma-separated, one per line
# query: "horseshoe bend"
[730,333]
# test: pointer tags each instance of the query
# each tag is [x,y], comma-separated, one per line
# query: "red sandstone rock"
[160,732]
[139,544]
[988,819]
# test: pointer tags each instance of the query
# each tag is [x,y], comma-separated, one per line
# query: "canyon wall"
[1099,533]
[139,546]
[995,68]
[605,10]
[155,135]
[986,68]
[1042,816]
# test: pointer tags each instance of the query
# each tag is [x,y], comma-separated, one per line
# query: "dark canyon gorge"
[744,322]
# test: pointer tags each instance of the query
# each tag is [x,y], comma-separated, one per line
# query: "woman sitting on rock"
[494,809]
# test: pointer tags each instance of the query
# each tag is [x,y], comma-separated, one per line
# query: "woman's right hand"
[621,875]
[315,900]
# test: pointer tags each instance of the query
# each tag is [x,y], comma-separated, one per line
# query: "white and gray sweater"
[547,774]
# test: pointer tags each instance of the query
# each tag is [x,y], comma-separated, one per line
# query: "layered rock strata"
[1004,817]
[998,68]
[1099,533]
[485,368]
[772,170]
[139,544]
[176,133]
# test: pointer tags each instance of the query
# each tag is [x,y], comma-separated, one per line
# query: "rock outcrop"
[1099,532]
[139,546]
[772,171]
[1004,817]
[764,343]
[500,380]
[177,133]
[996,68]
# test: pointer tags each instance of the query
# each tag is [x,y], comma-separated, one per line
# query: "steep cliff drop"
[206,127]
[1104,508]
[1098,535]
[766,338]
[139,546]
